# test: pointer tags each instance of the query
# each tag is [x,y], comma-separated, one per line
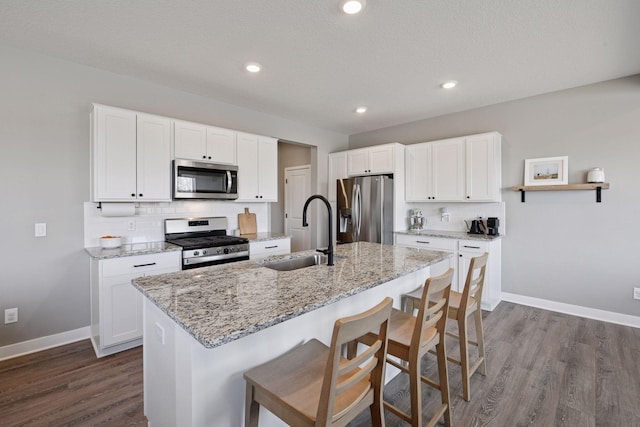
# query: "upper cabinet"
[131,154]
[455,170]
[374,160]
[257,168]
[205,143]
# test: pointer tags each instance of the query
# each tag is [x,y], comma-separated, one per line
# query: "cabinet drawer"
[427,242]
[474,246]
[141,264]
[269,247]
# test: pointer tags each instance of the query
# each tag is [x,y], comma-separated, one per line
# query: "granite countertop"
[264,236]
[223,303]
[132,250]
[450,234]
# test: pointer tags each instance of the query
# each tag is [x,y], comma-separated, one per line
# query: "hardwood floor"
[69,386]
[544,369]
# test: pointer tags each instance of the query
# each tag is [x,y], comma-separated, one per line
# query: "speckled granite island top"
[223,303]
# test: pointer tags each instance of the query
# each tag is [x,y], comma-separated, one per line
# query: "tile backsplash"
[458,212]
[147,225]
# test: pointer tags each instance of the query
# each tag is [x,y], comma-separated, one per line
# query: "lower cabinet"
[463,251]
[265,248]
[116,306]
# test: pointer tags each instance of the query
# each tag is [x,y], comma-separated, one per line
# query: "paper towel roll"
[118,209]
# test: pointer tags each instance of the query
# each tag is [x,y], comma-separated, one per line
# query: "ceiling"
[319,64]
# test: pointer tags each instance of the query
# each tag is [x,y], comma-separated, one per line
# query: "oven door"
[190,263]
[198,180]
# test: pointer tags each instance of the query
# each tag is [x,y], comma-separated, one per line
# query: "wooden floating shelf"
[591,186]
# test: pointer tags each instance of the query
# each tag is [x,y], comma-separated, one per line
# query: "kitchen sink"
[296,263]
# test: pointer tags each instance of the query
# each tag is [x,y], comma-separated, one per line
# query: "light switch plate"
[10,315]
[41,229]
[636,293]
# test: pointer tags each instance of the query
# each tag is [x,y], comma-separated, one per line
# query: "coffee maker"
[493,224]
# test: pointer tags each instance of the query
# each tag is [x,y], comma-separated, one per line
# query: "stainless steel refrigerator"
[365,209]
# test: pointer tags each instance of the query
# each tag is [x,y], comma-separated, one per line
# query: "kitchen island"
[204,327]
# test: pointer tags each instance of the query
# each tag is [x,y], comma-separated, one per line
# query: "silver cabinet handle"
[144,265]
[471,247]
[422,241]
[271,247]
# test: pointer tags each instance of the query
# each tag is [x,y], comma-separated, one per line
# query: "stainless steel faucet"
[329,251]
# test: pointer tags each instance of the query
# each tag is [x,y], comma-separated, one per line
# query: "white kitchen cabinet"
[337,170]
[131,156]
[116,306]
[266,248]
[257,168]
[463,251]
[195,141]
[454,170]
[483,167]
[379,159]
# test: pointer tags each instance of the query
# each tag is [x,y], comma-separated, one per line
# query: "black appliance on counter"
[493,224]
[204,241]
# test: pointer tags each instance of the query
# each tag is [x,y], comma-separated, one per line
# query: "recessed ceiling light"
[351,7]
[450,84]
[361,110]
[252,67]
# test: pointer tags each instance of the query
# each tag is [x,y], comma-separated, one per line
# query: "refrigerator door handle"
[357,202]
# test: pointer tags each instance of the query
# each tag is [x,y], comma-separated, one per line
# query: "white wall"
[561,246]
[44,176]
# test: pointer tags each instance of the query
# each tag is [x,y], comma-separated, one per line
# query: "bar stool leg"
[480,338]
[444,381]
[464,357]
[415,391]
[251,409]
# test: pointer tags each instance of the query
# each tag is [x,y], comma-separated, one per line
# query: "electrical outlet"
[41,229]
[131,225]
[11,315]
[159,330]
[636,293]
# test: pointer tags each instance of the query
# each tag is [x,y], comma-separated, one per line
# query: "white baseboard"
[575,310]
[43,343]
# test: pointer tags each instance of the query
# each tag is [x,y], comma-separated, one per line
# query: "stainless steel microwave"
[200,180]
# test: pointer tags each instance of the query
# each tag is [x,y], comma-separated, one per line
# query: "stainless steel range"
[204,241]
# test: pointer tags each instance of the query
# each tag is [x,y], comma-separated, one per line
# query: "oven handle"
[203,259]
[229,182]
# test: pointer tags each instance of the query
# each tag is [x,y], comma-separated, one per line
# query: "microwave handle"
[229,182]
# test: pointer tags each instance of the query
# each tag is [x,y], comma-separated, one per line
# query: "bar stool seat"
[313,385]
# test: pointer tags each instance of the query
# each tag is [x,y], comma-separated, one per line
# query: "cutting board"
[247,222]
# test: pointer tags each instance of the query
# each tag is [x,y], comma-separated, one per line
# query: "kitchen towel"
[118,209]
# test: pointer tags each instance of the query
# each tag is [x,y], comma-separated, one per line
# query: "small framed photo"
[546,171]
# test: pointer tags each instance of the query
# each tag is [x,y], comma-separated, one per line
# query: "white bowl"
[110,242]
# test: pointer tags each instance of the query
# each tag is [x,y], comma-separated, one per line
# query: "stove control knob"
[196,253]
[226,250]
[204,252]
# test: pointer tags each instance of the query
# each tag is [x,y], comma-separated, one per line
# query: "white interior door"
[297,189]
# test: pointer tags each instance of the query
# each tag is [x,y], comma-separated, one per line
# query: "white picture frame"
[546,171]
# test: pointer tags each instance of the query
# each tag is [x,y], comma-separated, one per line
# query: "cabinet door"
[448,170]
[267,169]
[483,168]
[153,158]
[381,159]
[190,140]
[470,249]
[221,145]
[247,167]
[114,161]
[358,162]
[337,170]
[121,305]
[418,184]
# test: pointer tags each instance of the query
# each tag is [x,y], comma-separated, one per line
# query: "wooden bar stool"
[461,307]
[313,385]
[411,337]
